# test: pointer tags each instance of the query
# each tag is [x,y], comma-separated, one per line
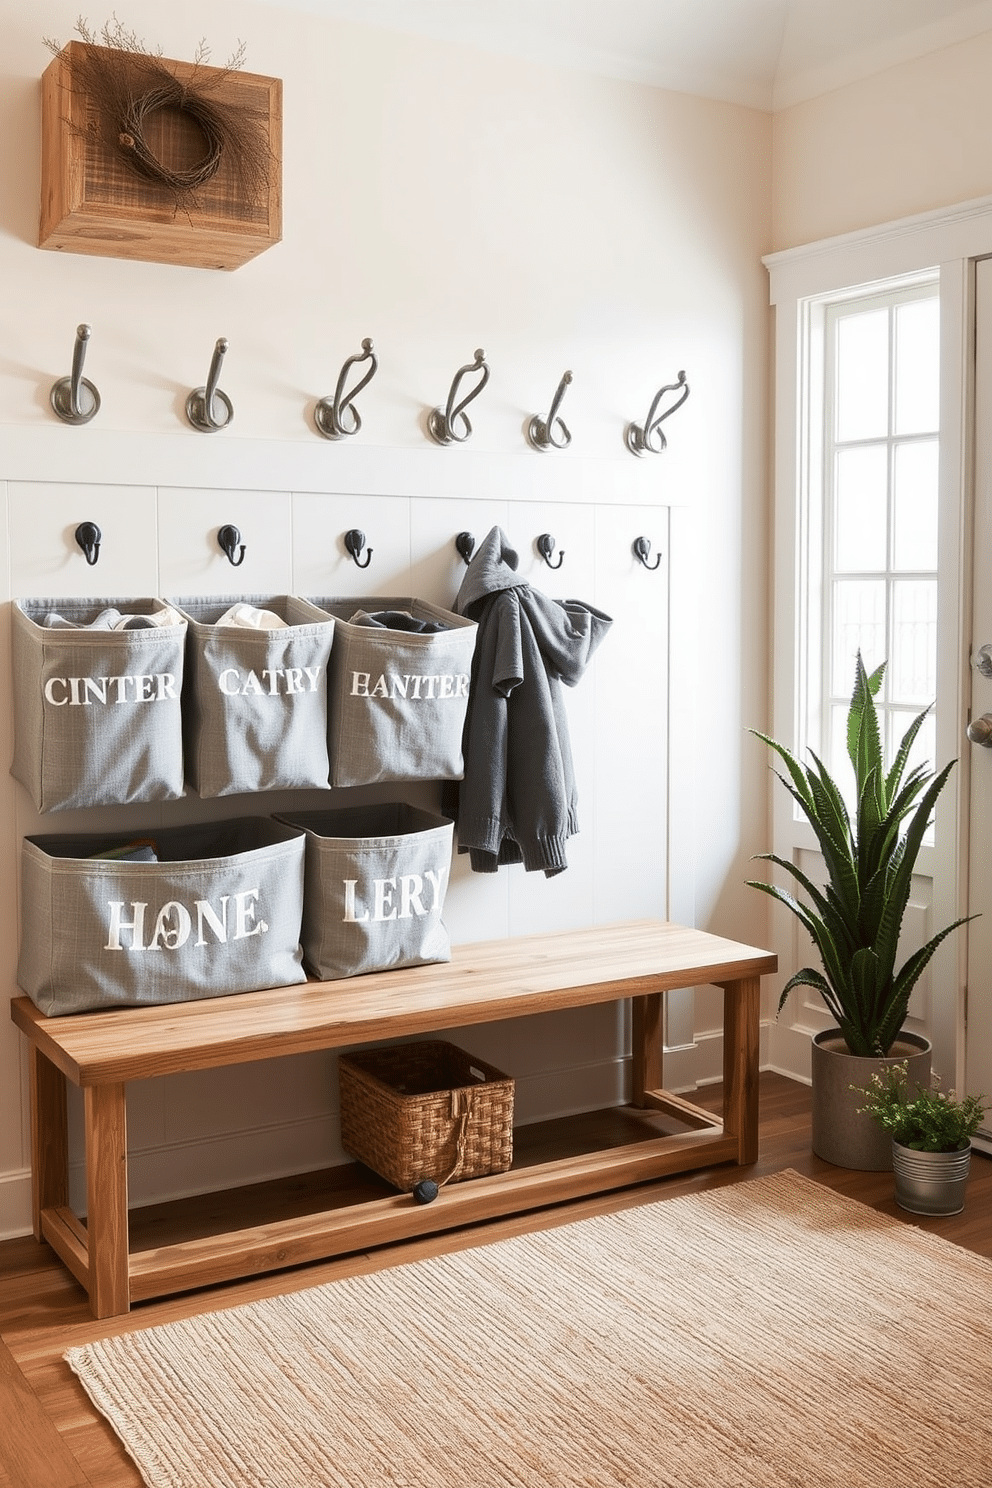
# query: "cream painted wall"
[436,199]
[907,140]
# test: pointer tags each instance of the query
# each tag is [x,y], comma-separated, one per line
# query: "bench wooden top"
[482,983]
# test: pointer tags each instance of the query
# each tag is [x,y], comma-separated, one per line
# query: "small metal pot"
[930,1182]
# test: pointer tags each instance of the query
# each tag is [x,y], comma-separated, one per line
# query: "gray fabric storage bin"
[398,698]
[376,877]
[97,713]
[255,706]
[218,913]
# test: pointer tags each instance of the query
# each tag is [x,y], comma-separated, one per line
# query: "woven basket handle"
[461,1110]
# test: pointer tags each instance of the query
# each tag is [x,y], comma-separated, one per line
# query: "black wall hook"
[546,546]
[441,422]
[229,539]
[650,439]
[89,538]
[465,543]
[337,417]
[641,548]
[354,541]
[74,398]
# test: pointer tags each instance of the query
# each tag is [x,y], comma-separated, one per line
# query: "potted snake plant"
[854,921]
[931,1136]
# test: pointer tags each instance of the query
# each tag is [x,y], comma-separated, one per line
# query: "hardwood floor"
[52,1438]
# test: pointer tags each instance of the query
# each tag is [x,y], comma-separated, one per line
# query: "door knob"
[983,660]
[980,730]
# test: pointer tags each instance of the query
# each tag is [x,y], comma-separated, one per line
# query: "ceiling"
[765,54]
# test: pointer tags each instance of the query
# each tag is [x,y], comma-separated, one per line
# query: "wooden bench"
[102,1051]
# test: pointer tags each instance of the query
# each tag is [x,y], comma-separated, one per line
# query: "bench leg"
[741,1034]
[647,1016]
[106,1200]
[49,1137]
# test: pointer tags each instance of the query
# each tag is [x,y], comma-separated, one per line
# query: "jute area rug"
[767,1333]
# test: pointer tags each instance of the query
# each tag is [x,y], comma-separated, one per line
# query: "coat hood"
[567,631]
[493,567]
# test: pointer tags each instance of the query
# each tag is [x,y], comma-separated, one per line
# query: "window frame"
[818,495]
[946,243]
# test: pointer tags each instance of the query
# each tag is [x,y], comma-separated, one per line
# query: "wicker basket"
[425,1110]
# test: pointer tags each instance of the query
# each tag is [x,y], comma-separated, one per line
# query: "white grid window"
[873,523]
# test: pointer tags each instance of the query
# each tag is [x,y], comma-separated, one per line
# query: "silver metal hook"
[354,541]
[441,422]
[650,439]
[465,543]
[89,538]
[202,403]
[546,546]
[329,414]
[641,548]
[541,432]
[229,539]
[74,398]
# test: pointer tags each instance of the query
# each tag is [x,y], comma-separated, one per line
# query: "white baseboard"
[789,1051]
[15,1204]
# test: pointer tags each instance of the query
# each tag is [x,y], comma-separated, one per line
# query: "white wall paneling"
[45,558]
[192,561]
[323,566]
[255,1121]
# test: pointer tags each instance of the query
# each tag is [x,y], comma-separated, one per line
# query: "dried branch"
[127,83]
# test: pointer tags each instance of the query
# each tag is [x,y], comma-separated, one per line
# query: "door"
[979,742]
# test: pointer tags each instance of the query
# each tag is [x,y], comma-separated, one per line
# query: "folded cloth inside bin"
[251,617]
[112,619]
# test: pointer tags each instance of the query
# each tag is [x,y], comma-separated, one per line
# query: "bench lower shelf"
[207,1240]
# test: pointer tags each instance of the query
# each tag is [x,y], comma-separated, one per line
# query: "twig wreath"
[127,84]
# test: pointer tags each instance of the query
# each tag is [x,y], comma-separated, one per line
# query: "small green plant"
[928,1121]
[870,854]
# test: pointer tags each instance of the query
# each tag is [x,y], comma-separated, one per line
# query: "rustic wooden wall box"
[92,202]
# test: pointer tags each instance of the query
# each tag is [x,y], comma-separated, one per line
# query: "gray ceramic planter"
[841,1133]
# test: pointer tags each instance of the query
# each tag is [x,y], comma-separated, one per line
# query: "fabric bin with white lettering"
[399,690]
[173,914]
[255,707]
[97,711]
[376,877]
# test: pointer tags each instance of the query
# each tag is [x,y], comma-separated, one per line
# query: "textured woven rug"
[767,1333]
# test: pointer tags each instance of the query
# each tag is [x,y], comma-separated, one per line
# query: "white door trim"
[949,240]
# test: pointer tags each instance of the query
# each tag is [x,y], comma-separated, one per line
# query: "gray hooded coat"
[517,801]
